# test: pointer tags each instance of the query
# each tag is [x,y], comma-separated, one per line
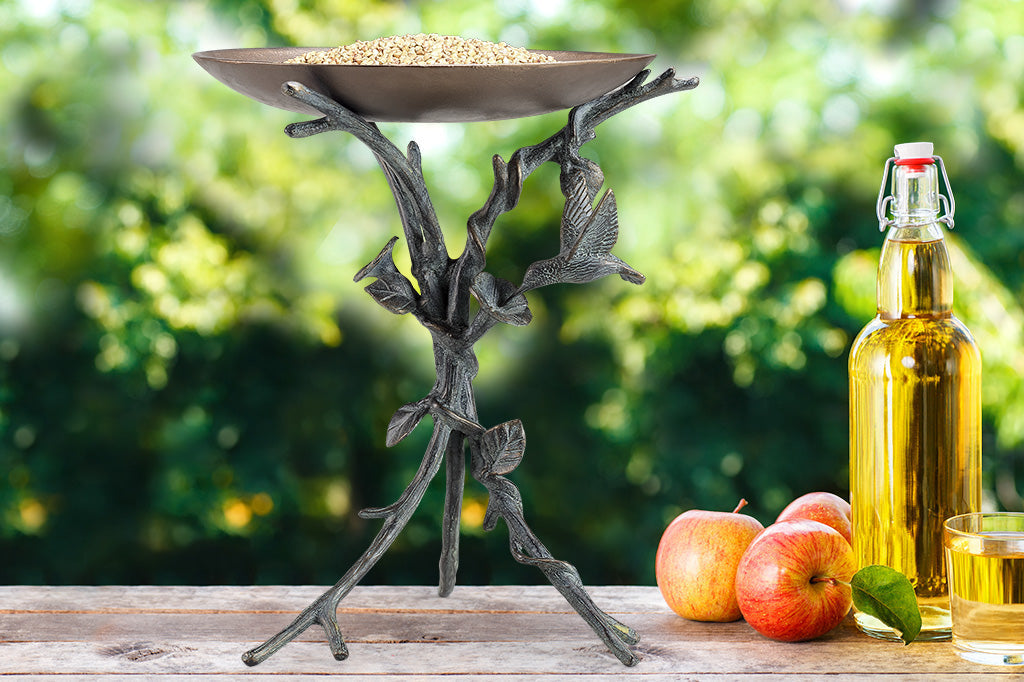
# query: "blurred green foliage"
[192,390]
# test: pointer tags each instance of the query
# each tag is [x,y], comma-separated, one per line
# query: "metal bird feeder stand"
[588,232]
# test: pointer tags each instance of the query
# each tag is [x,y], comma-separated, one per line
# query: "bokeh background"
[193,390]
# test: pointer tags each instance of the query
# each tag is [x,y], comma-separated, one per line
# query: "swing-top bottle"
[915,397]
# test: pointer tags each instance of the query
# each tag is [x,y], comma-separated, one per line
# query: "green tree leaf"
[887,595]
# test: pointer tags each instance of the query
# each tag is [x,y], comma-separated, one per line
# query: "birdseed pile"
[423,49]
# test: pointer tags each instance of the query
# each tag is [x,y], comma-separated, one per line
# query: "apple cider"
[915,407]
[989,615]
[985,560]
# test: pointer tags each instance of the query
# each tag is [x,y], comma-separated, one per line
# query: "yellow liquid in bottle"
[915,453]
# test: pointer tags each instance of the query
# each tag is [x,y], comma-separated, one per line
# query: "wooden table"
[409,633]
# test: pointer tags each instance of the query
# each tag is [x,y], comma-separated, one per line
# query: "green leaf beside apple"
[887,595]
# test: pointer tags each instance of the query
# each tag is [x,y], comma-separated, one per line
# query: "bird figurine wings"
[587,235]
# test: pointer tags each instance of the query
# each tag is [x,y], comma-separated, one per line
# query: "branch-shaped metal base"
[587,234]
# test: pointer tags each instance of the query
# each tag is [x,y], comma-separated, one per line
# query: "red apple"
[827,508]
[696,562]
[792,583]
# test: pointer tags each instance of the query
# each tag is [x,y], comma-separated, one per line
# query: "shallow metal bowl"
[426,93]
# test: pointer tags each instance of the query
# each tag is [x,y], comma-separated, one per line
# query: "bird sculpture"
[588,234]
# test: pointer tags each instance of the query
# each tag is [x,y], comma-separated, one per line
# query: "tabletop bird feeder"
[349,98]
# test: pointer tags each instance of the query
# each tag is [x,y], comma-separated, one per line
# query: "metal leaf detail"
[395,294]
[392,290]
[500,298]
[381,266]
[502,447]
[404,420]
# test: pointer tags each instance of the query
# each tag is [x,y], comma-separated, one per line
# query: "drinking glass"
[985,567]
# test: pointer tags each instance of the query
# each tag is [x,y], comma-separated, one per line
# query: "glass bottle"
[915,398]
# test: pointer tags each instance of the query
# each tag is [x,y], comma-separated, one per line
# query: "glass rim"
[958,525]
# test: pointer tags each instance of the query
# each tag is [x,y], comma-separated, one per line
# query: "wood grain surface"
[505,633]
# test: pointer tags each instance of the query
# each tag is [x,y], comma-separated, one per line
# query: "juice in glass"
[985,564]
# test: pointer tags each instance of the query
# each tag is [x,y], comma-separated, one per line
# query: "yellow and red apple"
[697,559]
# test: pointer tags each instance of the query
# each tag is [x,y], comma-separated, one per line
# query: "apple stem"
[831,581]
[741,505]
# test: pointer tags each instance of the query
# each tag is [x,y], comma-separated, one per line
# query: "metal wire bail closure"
[948,202]
[883,199]
[881,206]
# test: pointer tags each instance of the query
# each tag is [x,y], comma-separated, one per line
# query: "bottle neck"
[915,193]
[914,277]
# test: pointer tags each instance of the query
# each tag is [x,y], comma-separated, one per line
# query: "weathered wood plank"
[367,626]
[126,657]
[614,599]
[408,632]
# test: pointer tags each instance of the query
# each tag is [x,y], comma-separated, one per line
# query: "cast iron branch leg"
[505,502]
[455,475]
[324,610]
